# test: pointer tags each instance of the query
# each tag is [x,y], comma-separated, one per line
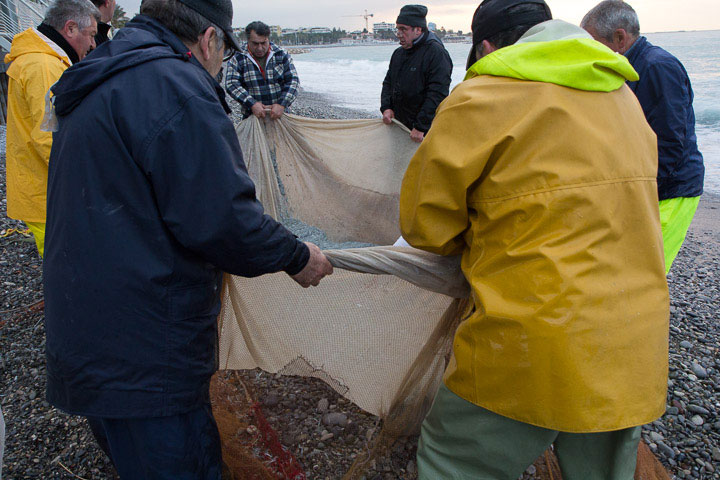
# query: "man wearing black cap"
[149,201]
[419,75]
[540,171]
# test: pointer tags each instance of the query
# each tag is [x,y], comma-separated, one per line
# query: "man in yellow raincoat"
[540,170]
[39,56]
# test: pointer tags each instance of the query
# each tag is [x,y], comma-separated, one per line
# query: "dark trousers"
[180,447]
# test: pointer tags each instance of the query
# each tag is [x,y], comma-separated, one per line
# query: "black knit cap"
[413,16]
[492,17]
[219,12]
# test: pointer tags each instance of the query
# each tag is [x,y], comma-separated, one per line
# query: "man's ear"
[70,29]
[206,42]
[486,48]
[620,39]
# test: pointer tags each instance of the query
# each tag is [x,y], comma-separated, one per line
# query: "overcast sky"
[655,15]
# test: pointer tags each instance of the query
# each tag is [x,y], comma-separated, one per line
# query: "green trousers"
[676,214]
[461,441]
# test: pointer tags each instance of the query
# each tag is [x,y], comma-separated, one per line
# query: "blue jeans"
[180,447]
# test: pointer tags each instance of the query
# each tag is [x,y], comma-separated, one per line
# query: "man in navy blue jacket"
[666,96]
[149,201]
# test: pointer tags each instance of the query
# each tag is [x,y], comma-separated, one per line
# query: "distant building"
[276,30]
[383,27]
[432,26]
[320,30]
[454,38]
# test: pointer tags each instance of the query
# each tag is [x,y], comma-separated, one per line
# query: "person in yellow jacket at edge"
[540,169]
[39,57]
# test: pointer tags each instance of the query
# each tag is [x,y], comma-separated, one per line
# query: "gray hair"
[79,11]
[610,15]
[180,19]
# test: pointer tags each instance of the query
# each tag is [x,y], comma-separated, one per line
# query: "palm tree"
[119,18]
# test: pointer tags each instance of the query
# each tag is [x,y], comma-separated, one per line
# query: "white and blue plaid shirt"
[245,82]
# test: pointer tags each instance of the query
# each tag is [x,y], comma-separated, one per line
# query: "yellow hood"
[32,41]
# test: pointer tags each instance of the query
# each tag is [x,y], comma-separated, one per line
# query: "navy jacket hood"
[142,40]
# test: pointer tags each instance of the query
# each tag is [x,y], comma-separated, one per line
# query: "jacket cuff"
[299,260]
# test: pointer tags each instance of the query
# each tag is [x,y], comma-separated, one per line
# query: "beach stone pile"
[687,438]
[309,233]
[39,438]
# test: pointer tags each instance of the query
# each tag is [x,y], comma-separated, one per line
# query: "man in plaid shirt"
[262,76]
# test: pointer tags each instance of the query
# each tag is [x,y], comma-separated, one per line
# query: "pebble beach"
[323,430]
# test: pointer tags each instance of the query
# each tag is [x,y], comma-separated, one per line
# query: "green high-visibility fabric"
[461,441]
[580,63]
[676,214]
[38,231]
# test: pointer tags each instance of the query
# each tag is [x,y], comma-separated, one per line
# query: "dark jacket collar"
[634,52]
[426,37]
[421,39]
[102,33]
[59,40]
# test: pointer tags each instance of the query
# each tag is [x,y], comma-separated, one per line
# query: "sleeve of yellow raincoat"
[38,78]
[434,212]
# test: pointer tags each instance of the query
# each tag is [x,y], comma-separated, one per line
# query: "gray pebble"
[667,451]
[271,400]
[699,410]
[335,418]
[716,454]
[697,420]
[699,370]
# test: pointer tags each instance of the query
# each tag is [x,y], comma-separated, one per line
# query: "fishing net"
[360,333]
[379,330]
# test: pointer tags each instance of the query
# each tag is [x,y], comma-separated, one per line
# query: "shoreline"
[42,441]
[317,105]
[707,217]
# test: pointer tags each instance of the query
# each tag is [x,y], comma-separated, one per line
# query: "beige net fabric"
[342,176]
[363,329]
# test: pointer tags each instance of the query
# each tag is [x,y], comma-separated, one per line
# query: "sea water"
[352,77]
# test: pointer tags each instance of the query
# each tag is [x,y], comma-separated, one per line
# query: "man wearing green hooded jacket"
[540,170]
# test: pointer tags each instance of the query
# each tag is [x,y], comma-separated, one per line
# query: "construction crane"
[366,15]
